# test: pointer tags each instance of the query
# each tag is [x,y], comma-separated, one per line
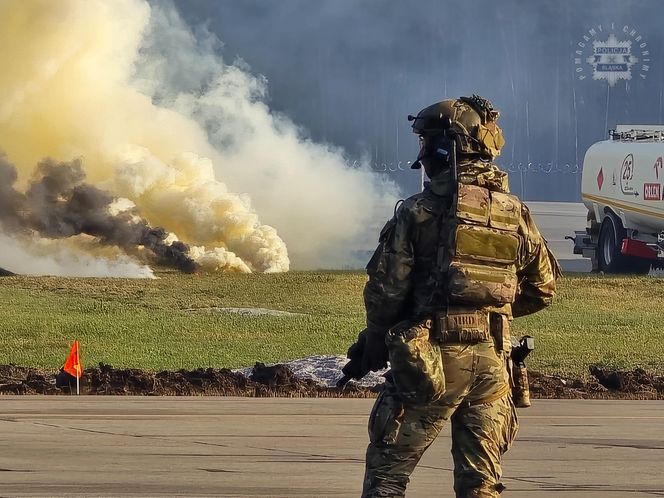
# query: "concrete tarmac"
[243,447]
[557,220]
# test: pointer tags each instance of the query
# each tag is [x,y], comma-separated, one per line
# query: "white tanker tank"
[621,186]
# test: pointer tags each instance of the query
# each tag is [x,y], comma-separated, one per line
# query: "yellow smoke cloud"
[66,81]
[108,81]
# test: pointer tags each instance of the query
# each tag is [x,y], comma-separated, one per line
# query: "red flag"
[73,364]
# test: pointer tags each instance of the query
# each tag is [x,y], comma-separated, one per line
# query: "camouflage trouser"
[484,425]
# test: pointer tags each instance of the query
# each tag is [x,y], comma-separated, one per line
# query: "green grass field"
[170,323]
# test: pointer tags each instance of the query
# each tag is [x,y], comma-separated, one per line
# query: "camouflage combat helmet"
[470,121]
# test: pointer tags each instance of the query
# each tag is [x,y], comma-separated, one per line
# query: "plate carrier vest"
[480,247]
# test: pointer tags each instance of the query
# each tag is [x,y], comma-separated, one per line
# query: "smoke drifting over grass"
[67,258]
[158,119]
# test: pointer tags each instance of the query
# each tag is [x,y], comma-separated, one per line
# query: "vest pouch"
[416,362]
[487,244]
[481,285]
[505,212]
[473,204]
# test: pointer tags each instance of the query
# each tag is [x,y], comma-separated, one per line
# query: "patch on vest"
[505,212]
[473,204]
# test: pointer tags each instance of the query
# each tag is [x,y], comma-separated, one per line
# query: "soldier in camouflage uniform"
[454,265]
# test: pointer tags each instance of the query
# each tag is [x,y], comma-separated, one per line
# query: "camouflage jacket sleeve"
[537,272]
[389,273]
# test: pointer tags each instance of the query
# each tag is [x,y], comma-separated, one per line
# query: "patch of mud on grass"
[280,381]
[245,311]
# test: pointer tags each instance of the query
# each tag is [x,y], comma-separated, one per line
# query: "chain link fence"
[547,168]
[535,181]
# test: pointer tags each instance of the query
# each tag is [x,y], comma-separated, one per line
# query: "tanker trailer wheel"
[610,259]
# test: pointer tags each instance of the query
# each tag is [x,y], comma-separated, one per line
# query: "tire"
[609,258]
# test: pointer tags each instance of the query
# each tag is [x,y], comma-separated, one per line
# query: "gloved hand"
[369,353]
[374,355]
[353,368]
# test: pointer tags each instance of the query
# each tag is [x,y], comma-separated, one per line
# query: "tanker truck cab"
[621,186]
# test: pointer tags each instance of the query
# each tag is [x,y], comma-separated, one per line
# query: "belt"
[471,327]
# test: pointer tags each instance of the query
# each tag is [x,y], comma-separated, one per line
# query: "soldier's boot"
[484,491]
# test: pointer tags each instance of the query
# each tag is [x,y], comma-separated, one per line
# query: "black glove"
[374,355]
[368,354]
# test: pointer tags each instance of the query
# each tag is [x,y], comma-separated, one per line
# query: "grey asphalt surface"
[243,447]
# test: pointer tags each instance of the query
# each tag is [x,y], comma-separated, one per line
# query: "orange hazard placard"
[73,364]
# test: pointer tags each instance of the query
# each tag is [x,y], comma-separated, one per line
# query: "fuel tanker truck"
[621,185]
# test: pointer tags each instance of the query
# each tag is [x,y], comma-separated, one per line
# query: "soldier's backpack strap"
[439,298]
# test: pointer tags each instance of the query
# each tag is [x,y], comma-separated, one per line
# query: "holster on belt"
[463,326]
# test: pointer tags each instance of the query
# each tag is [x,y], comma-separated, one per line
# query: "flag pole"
[73,366]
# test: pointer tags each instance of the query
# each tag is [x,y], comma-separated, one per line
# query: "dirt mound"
[555,386]
[264,381]
[277,376]
[26,380]
[637,381]
[603,383]
[279,380]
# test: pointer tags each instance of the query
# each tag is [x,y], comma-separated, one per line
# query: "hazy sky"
[349,71]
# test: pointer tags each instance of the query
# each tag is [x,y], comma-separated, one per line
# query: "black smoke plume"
[58,204]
